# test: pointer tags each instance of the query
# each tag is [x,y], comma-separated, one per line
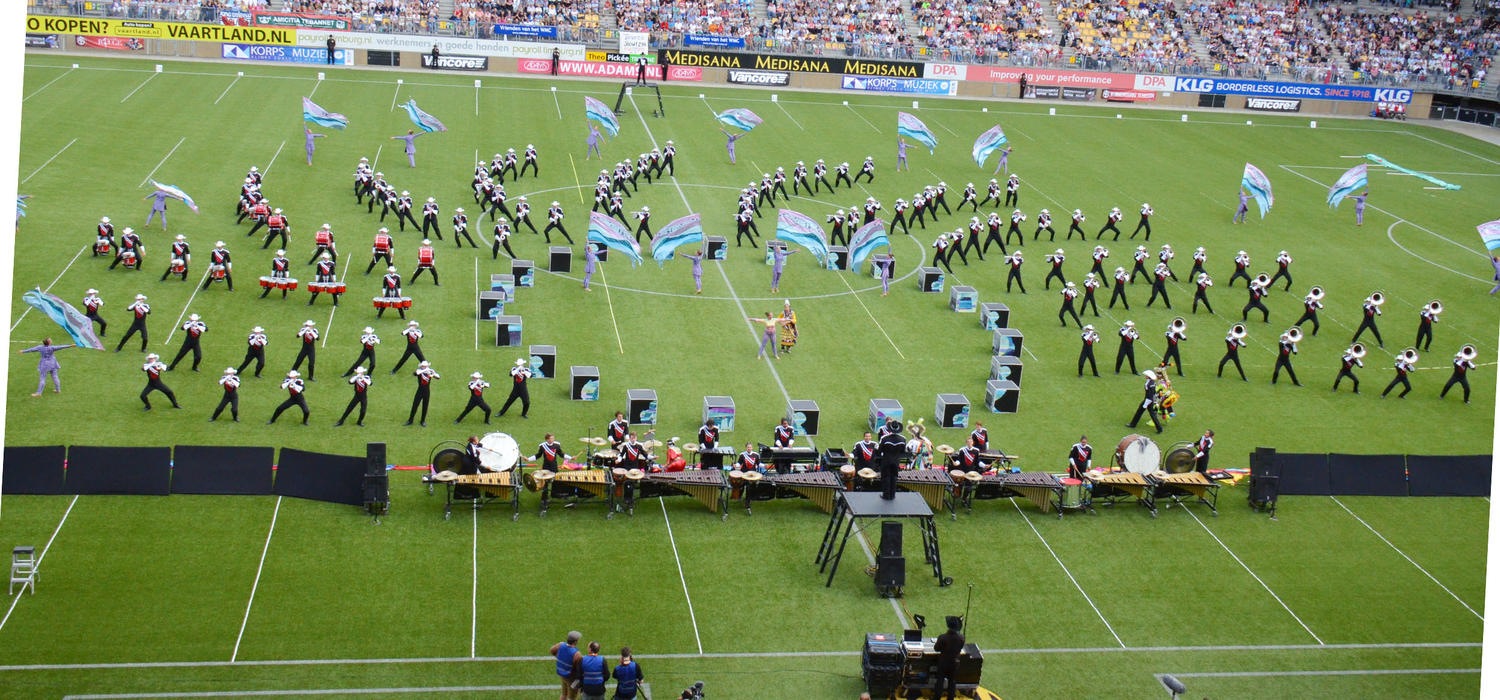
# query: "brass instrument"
[1468,352]
[1357,350]
[1409,355]
[1238,332]
[1376,298]
[1316,293]
[1434,308]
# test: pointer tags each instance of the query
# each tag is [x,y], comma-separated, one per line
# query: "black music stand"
[853,506]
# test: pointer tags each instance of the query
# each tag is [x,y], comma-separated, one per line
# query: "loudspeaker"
[1265,480]
[890,538]
[1263,462]
[377,489]
[890,572]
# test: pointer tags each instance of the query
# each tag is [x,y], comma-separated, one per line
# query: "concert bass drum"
[1138,454]
[499,452]
[1181,458]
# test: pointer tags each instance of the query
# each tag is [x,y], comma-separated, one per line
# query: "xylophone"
[1189,484]
[706,485]
[1111,488]
[819,487]
[934,485]
[574,486]
[285,284]
[491,484]
[1038,487]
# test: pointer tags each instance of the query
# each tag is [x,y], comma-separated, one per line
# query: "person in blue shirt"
[566,653]
[594,673]
[628,676]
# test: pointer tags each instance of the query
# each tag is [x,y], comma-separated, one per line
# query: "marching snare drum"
[216,271]
[179,266]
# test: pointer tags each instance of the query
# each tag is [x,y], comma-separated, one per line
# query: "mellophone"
[288,284]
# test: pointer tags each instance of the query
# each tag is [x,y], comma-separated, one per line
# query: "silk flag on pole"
[178,194]
[424,121]
[913,128]
[313,113]
[1255,182]
[610,233]
[1490,233]
[78,326]
[987,143]
[688,229]
[802,230]
[865,240]
[1353,180]
[739,118]
[600,112]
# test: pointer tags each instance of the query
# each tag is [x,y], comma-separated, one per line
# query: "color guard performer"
[361,382]
[180,257]
[390,288]
[1128,336]
[384,247]
[1286,347]
[1406,363]
[1371,308]
[91,304]
[590,261]
[1080,458]
[1241,264]
[425,375]
[413,335]
[1069,293]
[294,389]
[1203,282]
[1159,285]
[1110,222]
[1086,353]
[426,260]
[1146,212]
[1424,328]
[1122,278]
[1175,334]
[323,242]
[153,369]
[1243,209]
[1353,357]
[231,384]
[1148,404]
[139,311]
[1233,341]
[518,376]
[367,342]
[193,332]
[1312,302]
[324,274]
[1463,361]
[1258,291]
[308,350]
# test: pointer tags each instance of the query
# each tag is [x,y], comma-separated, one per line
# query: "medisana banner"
[796,64]
[915,86]
[140,29]
[497,48]
[1311,91]
[285,54]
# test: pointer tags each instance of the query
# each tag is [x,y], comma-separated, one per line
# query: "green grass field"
[1086,605]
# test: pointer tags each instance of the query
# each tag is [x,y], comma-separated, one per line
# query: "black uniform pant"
[1146,408]
[412,350]
[463,232]
[844,178]
[377,257]
[1098,270]
[1119,293]
[1054,273]
[1139,273]
[1087,355]
[1067,310]
[1369,323]
[799,184]
[1108,227]
[321,250]
[495,249]
[1279,275]
[501,208]
[971,201]
[256,353]
[523,220]
[1126,352]
[261,221]
[1346,372]
[645,228]
[1424,331]
[666,162]
[232,400]
[889,467]
[361,399]
[475,402]
[519,391]
[1265,313]
[900,218]
[1457,378]
[741,232]
[430,223]
[426,268]
[308,352]
[1014,276]
[168,273]
[1239,273]
[139,324]
[228,281]
[971,244]
[190,343]
[1282,362]
[919,217]
[297,400]
[271,235]
[1232,356]
[1399,379]
[1200,296]
[1089,300]
[820,182]
[1308,316]
[939,257]
[1051,234]
[420,399]
[157,385]
[1145,224]
[365,353]
[865,173]
[94,316]
[534,171]
[1020,239]
[1074,227]
[958,249]
[1173,356]
[994,235]
[1159,288]
[1012,198]
[551,226]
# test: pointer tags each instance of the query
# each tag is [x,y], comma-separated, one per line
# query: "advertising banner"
[447,62]
[795,64]
[141,29]
[714,41]
[41,41]
[946,71]
[1312,91]
[916,86]
[594,69]
[1273,104]
[533,30]
[1129,95]
[635,42]
[1158,83]
[1049,76]
[760,77]
[460,46]
[284,54]
[298,20]
[235,18]
[112,43]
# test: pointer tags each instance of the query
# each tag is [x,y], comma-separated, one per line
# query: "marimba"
[285,284]
[820,487]
[708,486]
[1040,488]
[490,485]
[1111,488]
[1190,485]
[574,486]
[934,485]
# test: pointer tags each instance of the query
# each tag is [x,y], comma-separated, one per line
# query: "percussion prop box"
[884,410]
[1002,396]
[715,247]
[543,361]
[504,283]
[507,331]
[994,315]
[641,406]
[804,416]
[876,262]
[930,280]
[721,409]
[491,305]
[963,298]
[524,272]
[1007,341]
[560,258]
[838,257]
[1006,367]
[952,411]
[585,383]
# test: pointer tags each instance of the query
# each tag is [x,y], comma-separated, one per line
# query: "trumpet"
[1205,280]
[1238,332]
[1409,355]
[1376,298]
[1357,350]
[1468,352]
[1178,326]
[1051,258]
[1292,335]
[1316,293]
[1434,308]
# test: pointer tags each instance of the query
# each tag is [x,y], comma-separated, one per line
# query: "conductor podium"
[852,512]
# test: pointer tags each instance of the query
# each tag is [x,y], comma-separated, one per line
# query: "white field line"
[260,567]
[609,299]
[474,588]
[226,89]
[328,329]
[1256,577]
[1372,165]
[1453,148]
[394,95]
[680,577]
[888,338]
[556,104]
[1393,216]
[376,161]
[267,170]
[313,691]
[1407,558]
[39,559]
[47,85]
[1060,563]
[476,302]
[159,163]
[49,287]
[1389,234]
[789,115]
[138,87]
[862,117]
[1349,672]
[49,161]
[185,307]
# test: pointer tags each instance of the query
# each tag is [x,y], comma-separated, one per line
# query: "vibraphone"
[1111,488]
[285,284]
[575,486]
[489,485]
[934,485]
[819,487]
[1040,488]
[708,486]
[1189,484]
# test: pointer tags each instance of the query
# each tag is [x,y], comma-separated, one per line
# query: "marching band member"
[617,208]
[1165,258]
[1312,302]
[956,247]
[425,375]
[1406,363]
[323,242]
[1098,256]
[1140,256]
[1012,191]
[919,209]
[992,225]
[280,269]
[1146,212]
[191,341]
[276,225]
[231,384]
[1203,283]
[1429,315]
[799,179]
[361,382]
[1258,291]
[643,216]
[91,304]
[555,221]
[549,453]
[1078,218]
[1044,223]
[836,232]
[1286,347]
[1128,336]
[294,388]
[260,212]
[668,153]
[104,240]
[1069,292]
[617,430]
[502,240]
[1201,449]
[1241,263]
[749,460]
[308,334]
[1056,258]
[1080,458]
[864,452]
[362,179]
[980,436]
[403,210]
[892,449]
[633,454]
[992,194]
[1016,217]
[970,197]
[1233,341]
[1110,222]
[426,261]
[129,243]
[939,196]
[971,243]
[1122,278]
[778,184]
[255,349]
[1148,404]
[518,376]
[461,226]
[390,288]
[523,215]
[782,436]
[940,252]
[1371,309]
[872,205]
[1090,284]
[966,457]
[841,174]
[1350,359]
[219,258]
[413,335]
[367,342]
[1200,256]
[1086,353]
[1463,361]
[510,162]
[139,311]
[898,216]
[325,273]
[820,180]
[867,170]
[181,256]
[497,203]
[153,369]
[384,247]
[1283,261]
[1159,285]
[430,218]
[1175,334]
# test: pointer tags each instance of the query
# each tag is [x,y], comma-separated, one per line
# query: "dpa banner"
[284,54]
[945,71]
[916,86]
[593,69]
[1311,91]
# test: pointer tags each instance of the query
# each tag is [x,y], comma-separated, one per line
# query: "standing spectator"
[435,55]
[567,655]
[1023,86]
[556,57]
[331,44]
